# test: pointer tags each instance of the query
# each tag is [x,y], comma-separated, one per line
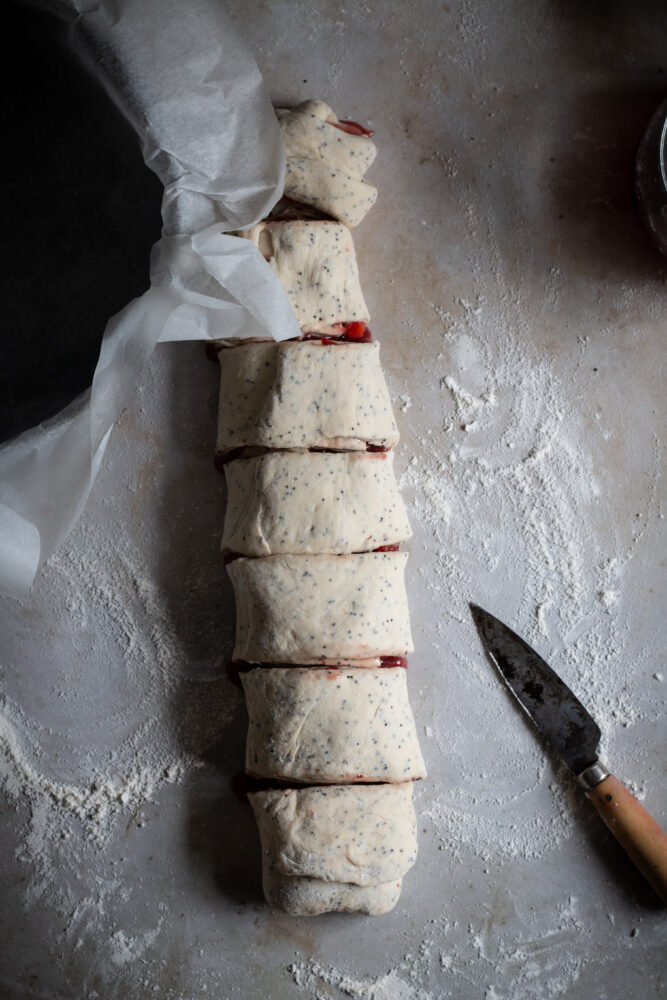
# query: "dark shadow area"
[591,180]
[80,214]
[590,173]
[208,710]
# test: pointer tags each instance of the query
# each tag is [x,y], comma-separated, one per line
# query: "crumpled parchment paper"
[195,96]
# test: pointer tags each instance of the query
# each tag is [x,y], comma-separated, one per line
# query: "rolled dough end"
[308,897]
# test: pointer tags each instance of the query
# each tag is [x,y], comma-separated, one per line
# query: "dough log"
[314,520]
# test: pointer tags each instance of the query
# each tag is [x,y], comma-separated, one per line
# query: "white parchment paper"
[194,94]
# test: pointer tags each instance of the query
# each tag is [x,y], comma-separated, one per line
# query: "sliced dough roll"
[325,166]
[298,395]
[336,848]
[331,726]
[310,502]
[317,267]
[321,609]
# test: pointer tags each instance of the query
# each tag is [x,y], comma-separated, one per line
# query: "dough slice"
[321,609]
[310,502]
[308,897]
[331,726]
[363,834]
[298,395]
[325,166]
[331,848]
[317,267]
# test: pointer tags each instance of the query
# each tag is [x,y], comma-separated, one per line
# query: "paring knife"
[565,723]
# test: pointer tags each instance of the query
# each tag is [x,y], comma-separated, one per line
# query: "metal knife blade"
[565,723]
[547,700]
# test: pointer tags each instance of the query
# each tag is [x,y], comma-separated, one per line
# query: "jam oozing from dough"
[352,128]
[353,332]
[394,661]
[250,451]
[356,331]
[236,667]
[387,548]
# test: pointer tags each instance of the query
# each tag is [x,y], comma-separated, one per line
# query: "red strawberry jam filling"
[354,332]
[236,667]
[352,128]
[394,661]
[387,548]
[250,451]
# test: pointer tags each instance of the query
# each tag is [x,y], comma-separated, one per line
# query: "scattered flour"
[126,949]
[316,979]
[537,964]
[106,601]
[506,482]
[96,805]
[125,722]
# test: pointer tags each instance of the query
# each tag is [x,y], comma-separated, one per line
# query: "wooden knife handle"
[638,833]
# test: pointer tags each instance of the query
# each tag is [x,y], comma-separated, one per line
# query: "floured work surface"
[519,309]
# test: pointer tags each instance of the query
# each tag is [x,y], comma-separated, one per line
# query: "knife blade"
[566,725]
[557,713]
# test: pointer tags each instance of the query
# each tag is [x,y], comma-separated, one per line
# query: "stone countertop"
[520,309]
